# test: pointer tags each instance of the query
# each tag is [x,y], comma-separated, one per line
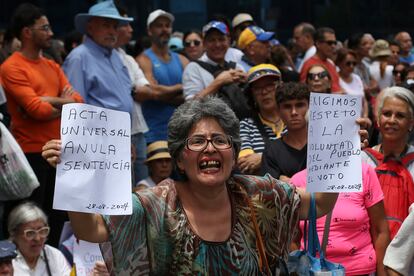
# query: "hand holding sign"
[94,175]
[334,161]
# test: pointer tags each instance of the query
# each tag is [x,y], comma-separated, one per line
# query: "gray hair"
[397,92]
[191,112]
[22,214]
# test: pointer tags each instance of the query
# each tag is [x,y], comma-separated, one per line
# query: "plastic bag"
[17,179]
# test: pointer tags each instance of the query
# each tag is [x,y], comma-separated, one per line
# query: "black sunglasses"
[188,43]
[350,63]
[320,75]
[330,42]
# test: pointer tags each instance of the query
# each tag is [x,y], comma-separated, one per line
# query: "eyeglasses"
[200,143]
[397,72]
[30,234]
[320,75]
[265,88]
[330,42]
[350,63]
[189,43]
[45,28]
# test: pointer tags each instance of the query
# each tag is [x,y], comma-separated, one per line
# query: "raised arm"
[88,227]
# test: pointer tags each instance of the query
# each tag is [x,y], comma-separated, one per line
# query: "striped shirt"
[251,138]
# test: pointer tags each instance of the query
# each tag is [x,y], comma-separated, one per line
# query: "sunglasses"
[189,43]
[30,234]
[330,42]
[320,75]
[350,63]
[397,72]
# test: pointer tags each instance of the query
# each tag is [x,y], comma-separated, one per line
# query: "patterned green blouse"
[157,238]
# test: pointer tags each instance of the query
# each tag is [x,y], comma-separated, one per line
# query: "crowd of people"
[218,140]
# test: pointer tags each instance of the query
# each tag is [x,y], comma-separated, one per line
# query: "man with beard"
[163,69]
[36,90]
[94,68]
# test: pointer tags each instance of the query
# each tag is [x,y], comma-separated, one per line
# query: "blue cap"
[106,9]
[7,250]
[215,25]
[251,34]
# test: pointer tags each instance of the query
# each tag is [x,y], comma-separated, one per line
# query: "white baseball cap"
[159,13]
[241,18]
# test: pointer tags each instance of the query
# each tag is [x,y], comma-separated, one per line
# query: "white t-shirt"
[387,80]
[355,88]
[308,54]
[138,79]
[233,54]
[57,263]
[196,78]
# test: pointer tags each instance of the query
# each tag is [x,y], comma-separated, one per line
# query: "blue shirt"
[158,113]
[100,76]
[408,59]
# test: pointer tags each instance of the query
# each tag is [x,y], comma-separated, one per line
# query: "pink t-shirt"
[349,241]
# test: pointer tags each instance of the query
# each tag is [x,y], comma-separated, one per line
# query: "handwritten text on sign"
[94,175]
[334,149]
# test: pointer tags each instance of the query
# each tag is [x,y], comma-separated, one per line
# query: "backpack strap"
[212,69]
[216,69]
[376,156]
[407,159]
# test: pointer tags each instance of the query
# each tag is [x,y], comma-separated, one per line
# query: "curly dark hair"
[292,91]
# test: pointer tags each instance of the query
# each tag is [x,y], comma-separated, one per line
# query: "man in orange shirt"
[325,40]
[36,89]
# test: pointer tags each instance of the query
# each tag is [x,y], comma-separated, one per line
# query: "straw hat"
[381,48]
[157,150]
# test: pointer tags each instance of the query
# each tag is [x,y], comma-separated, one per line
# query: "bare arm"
[379,233]
[170,94]
[89,227]
[325,202]
[146,66]
[392,272]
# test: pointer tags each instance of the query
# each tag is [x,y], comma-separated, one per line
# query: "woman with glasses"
[28,229]
[193,45]
[208,222]
[264,124]
[350,82]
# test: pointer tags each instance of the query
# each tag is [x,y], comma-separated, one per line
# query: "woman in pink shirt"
[358,233]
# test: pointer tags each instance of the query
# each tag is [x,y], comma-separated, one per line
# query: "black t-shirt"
[281,159]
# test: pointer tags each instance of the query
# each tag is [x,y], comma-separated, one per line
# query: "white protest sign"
[334,149]
[85,255]
[94,175]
